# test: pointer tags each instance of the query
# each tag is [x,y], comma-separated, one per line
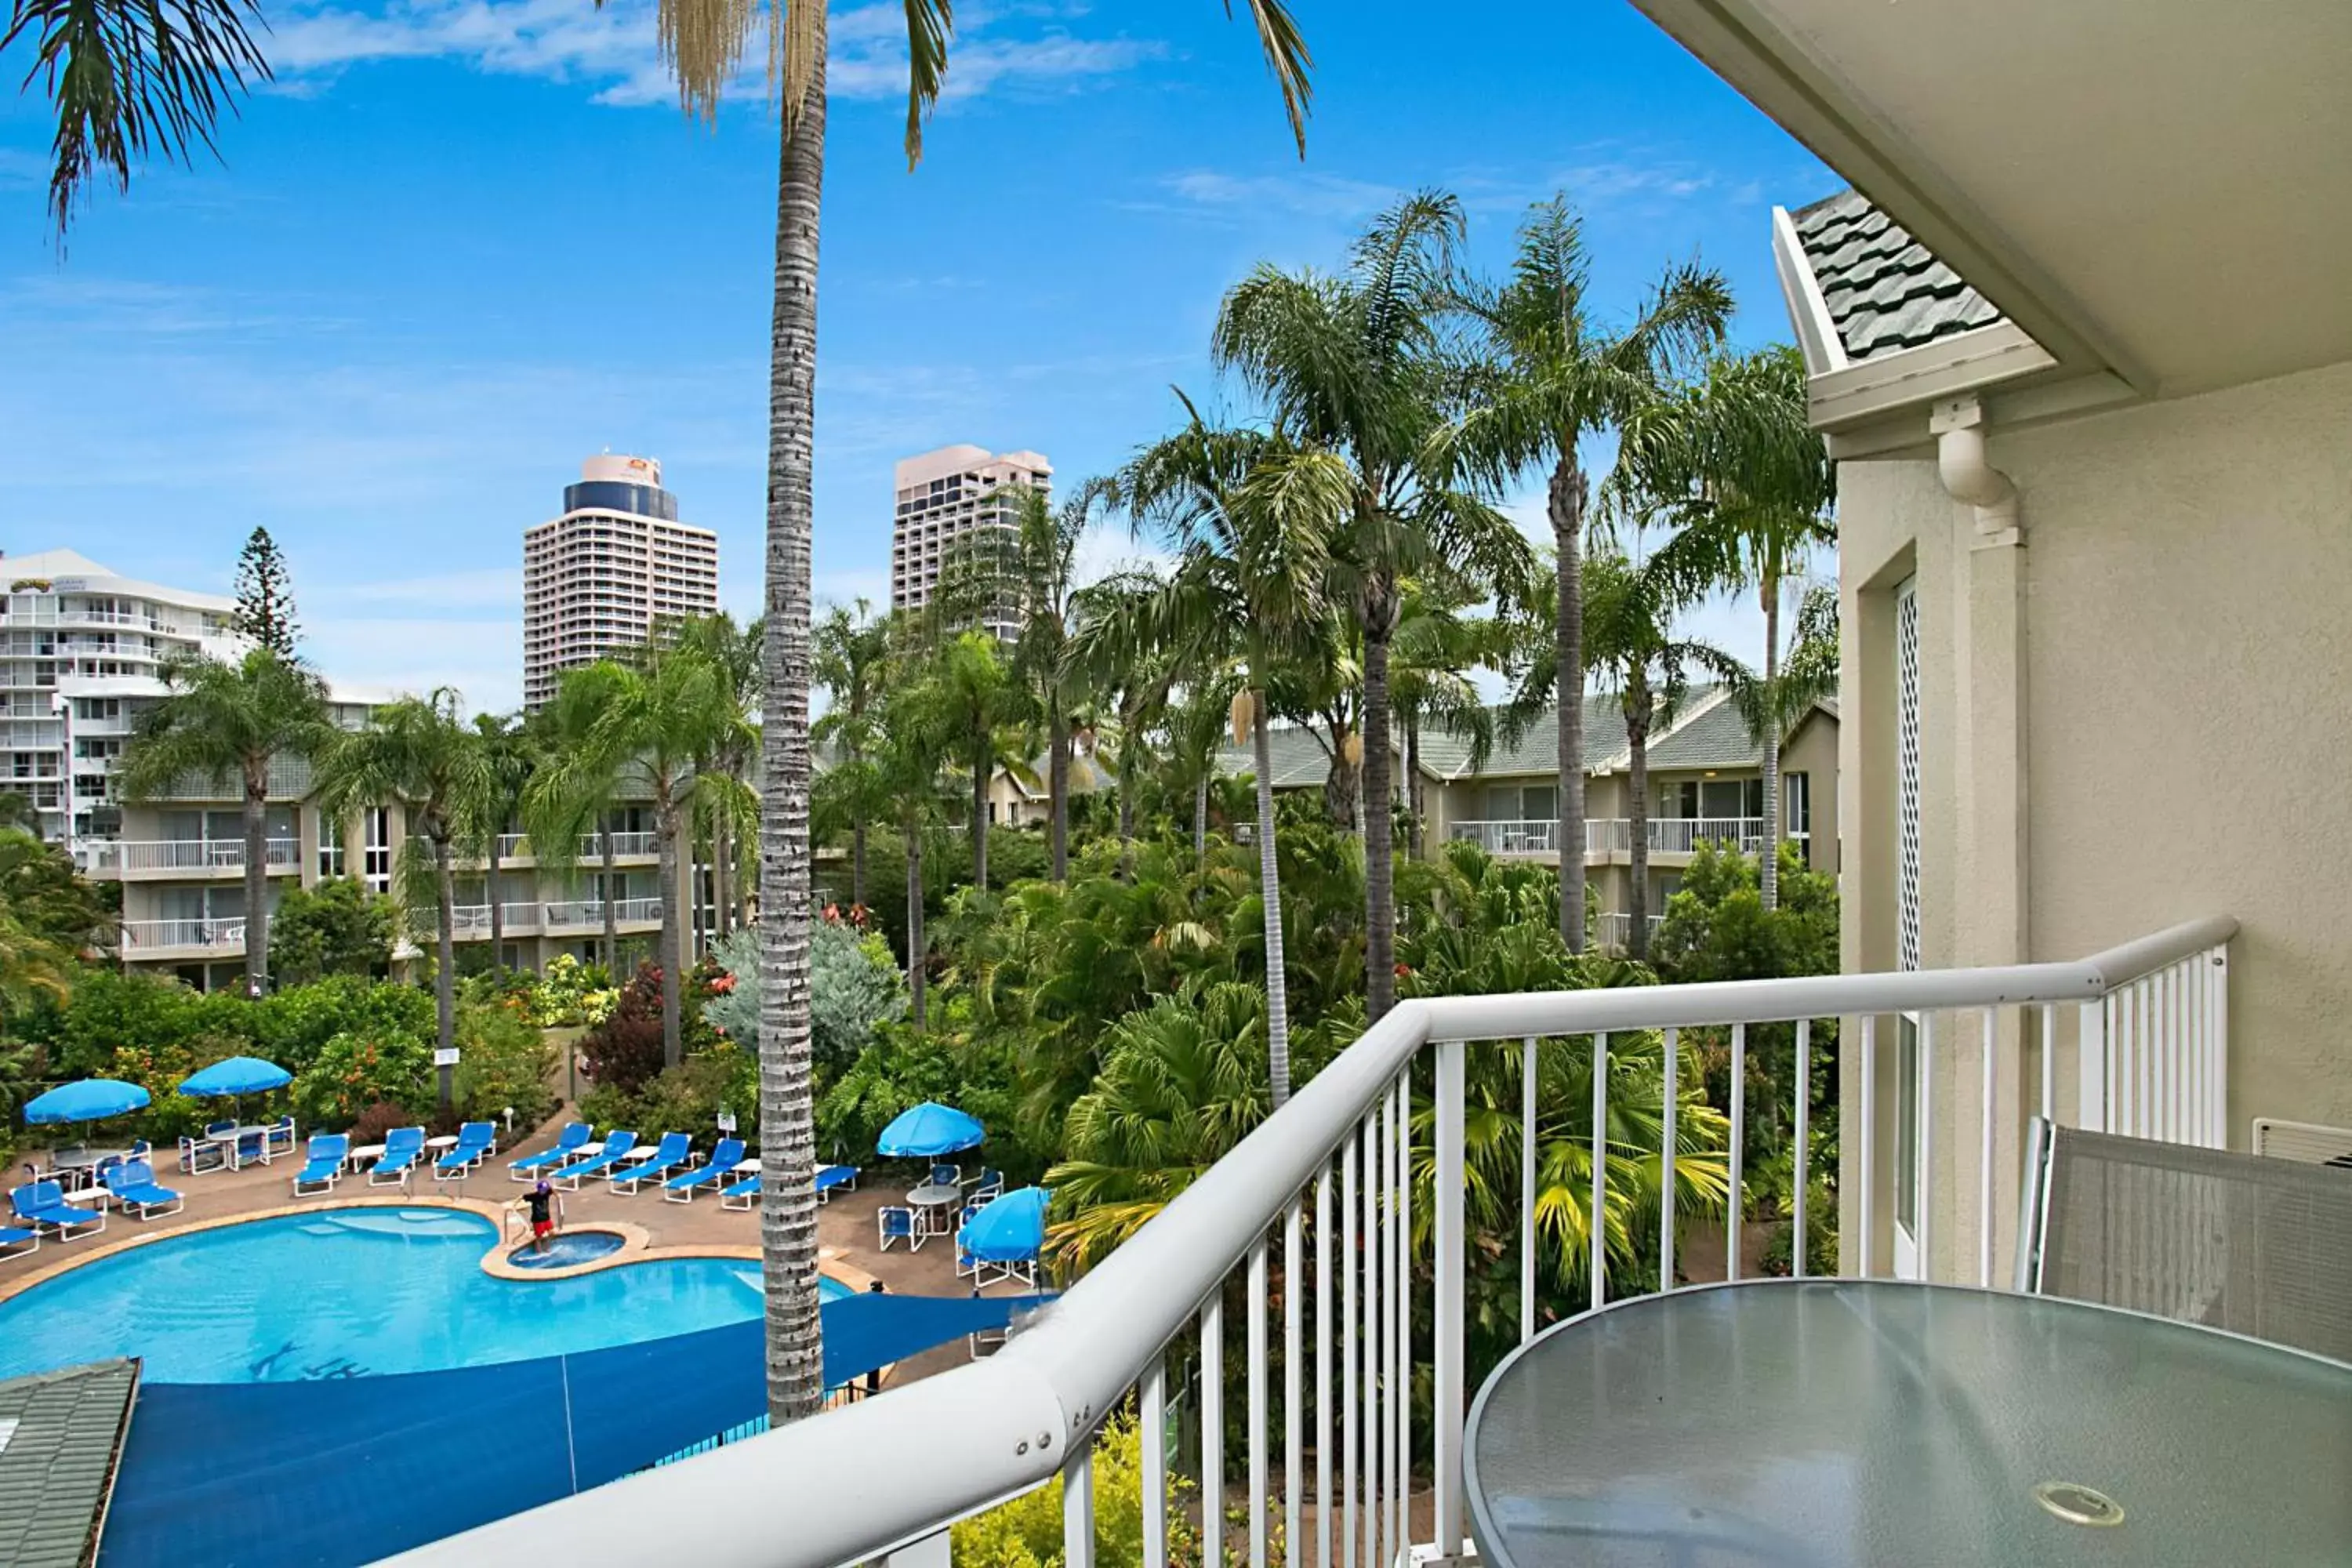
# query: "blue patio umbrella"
[928,1130]
[91,1099]
[237,1074]
[1009,1230]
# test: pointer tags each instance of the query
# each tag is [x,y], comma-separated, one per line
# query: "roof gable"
[1884,291]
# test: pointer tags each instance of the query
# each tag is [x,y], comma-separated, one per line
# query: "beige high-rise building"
[602,576]
[941,496]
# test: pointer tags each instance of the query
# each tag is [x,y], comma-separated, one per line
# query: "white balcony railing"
[1612,836]
[195,854]
[1614,929]
[624,843]
[215,936]
[1325,1189]
[590,912]
[522,917]
[469,919]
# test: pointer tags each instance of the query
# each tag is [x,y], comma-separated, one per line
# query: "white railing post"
[2218,1089]
[1527,1189]
[1595,1234]
[1213,1429]
[1323,1366]
[1926,1173]
[1404,1490]
[1739,1146]
[1153,1414]
[1449,1413]
[1988,1091]
[1868,1161]
[1257,1397]
[2091,1066]
[1666,1162]
[1350,1259]
[1293,1383]
[1078,1504]
[1803,1164]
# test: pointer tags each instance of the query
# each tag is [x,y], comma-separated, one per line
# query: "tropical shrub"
[291,1027]
[571,992]
[503,1064]
[375,1120]
[855,985]
[354,1071]
[687,1098]
[1027,1532]
[625,1049]
[335,928]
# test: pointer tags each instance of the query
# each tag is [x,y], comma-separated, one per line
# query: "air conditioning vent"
[2305,1141]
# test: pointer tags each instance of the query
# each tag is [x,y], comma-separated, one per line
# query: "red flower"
[1404,970]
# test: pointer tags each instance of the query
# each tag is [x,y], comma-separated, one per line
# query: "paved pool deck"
[655,1227]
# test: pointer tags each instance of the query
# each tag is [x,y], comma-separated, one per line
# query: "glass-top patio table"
[1851,1422]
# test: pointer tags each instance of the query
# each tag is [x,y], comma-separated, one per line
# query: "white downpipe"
[1967,473]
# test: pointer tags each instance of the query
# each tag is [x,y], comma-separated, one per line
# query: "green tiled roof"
[57,1466]
[1299,760]
[1885,291]
[290,779]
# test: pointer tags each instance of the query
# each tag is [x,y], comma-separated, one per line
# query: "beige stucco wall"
[2186,677]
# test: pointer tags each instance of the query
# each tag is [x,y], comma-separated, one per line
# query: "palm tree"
[982,707]
[1560,375]
[1734,463]
[649,723]
[507,761]
[1629,608]
[217,718]
[726,801]
[1357,367]
[918,739]
[1436,646]
[421,753]
[1037,574]
[1115,653]
[705,41]
[1249,586]
[853,650]
[131,81]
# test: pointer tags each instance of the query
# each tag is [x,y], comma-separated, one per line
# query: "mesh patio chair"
[2238,1242]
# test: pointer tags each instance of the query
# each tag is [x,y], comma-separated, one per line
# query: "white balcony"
[624,844]
[1326,1189]
[589,913]
[193,857]
[1612,836]
[1614,930]
[165,939]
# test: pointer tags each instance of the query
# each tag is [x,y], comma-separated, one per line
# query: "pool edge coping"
[638,1246]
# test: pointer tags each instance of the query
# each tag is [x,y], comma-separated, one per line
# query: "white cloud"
[1108,548]
[482,658]
[489,587]
[613,44]
[1239,197]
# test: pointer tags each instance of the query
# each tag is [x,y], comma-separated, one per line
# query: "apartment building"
[942,497]
[181,864]
[602,576]
[81,652]
[1706,785]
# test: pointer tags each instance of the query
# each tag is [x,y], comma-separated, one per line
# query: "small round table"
[369,1151]
[442,1141]
[1852,1422]
[928,1199]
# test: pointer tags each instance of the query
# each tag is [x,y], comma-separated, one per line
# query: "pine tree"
[265,596]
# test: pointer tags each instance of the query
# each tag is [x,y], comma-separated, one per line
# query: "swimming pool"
[343,1293]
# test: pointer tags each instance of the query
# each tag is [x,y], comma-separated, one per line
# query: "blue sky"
[462,244]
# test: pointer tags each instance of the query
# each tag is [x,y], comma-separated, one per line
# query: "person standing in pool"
[546,1206]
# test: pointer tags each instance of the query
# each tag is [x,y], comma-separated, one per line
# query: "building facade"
[943,498]
[602,576]
[1706,786]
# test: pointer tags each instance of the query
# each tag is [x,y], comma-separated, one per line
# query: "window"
[376,865]
[331,849]
[1798,790]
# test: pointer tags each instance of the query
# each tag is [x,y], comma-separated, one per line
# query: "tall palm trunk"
[1639,712]
[979,818]
[1129,757]
[1380,865]
[255,820]
[1058,784]
[1770,884]
[674,904]
[1566,501]
[1200,821]
[720,848]
[606,901]
[497,911]
[787,1248]
[916,978]
[857,860]
[1269,881]
[445,982]
[1413,845]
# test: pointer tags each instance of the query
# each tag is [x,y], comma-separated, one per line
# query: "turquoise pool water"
[351,1293]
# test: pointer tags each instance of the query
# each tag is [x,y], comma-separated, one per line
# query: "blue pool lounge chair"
[322,1164]
[617,1143]
[403,1147]
[132,1184]
[680,1188]
[832,1176]
[475,1141]
[18,1241]
[42,1206]
[673,1151]
[743,1194]
[567,1145]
